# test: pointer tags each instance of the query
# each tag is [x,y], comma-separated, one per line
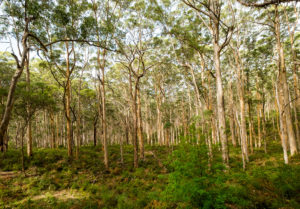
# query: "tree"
[287,132]
[212,10]
[24,15]
[39,98]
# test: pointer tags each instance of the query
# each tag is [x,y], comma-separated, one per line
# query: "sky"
[7,45]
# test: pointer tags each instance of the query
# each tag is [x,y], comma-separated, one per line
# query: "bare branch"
[188,3]
[227,38]
[265,3]
[91,43]
[38,40]
[17,60]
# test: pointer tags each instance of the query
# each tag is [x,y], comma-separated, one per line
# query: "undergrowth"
[54,181]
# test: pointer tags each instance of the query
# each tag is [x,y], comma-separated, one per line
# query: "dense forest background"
[149,104]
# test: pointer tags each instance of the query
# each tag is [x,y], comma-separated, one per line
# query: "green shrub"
[191,184]
[189,180]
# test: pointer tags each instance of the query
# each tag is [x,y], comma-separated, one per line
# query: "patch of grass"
[53,181]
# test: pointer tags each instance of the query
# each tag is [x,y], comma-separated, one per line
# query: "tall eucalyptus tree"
[211,13]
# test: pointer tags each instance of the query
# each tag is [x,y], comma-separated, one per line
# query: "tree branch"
[17,60]
[227,38]
[265,3]
[38,40]
[91,43]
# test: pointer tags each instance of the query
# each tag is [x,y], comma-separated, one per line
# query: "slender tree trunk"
[167,137]
[214,10]
[95,133]
[45,134]
[158,111]
[140,123]
[213,115]
[241,92]
[104,128]
[68,104]
[296,102]
[102,65]
[220,106]
[147,124]
[10,97]
[22,150]
[231,116]
[134,110]
[283,131]
[127,130]
[250,119]
[78,131]
[283,86]
[5,143]
[99,97]
[17,133]
[250,126]
[78,121]
[184,121]
[259,125]
[121,151]
[197,92]
[29,134]
[52,127]
[135,127]
[83,138]
[258,112]
[264,131]
[57,131]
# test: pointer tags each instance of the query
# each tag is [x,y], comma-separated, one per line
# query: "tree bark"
[140,123]
[95,133]
[213,8]
[220,105]
[78,119]
[29,134]
[241,92]
[52,127]
[68,103]
[159,120]
[296,103]
[10,97]
[134,110]
[57,130]
[251,131]
[283,86]
[283,131]
[104,128]
[135,138]
[231,115]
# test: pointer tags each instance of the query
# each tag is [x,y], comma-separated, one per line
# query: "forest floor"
[52,181]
